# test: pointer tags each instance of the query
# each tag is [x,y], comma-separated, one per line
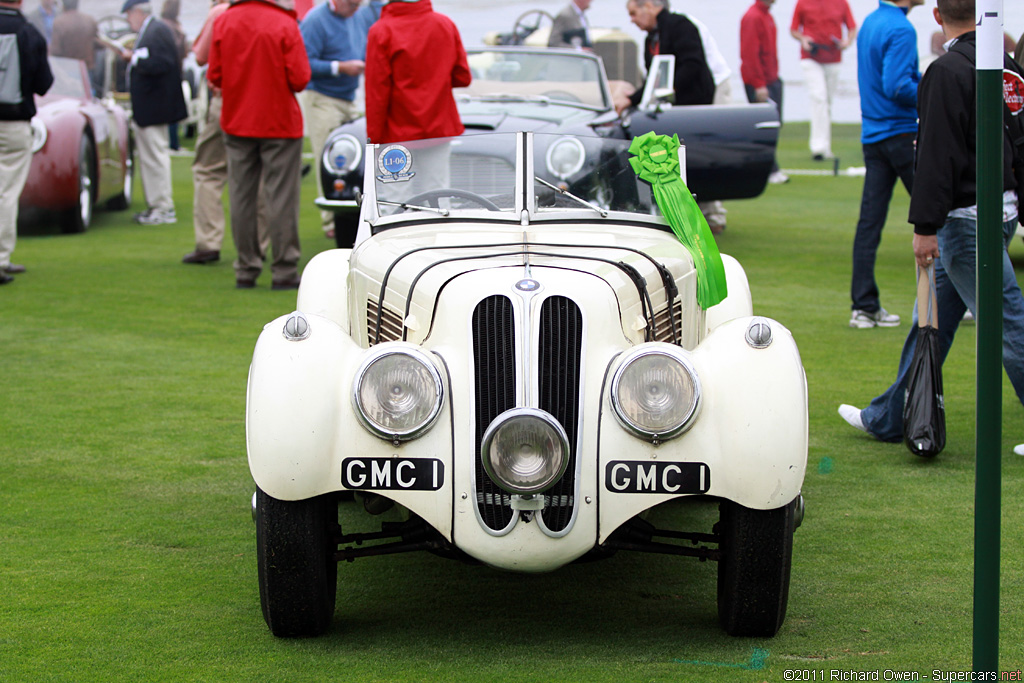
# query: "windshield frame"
[464,94]
[527,210]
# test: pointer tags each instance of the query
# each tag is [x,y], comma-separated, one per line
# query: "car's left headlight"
[565,158]
[656,393]
[398,393]
[38,134]
[342,154]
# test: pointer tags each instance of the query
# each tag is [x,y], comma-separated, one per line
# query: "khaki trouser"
[155,165]
[324,114]
[276,162]
[209,176]
[15,160]
[822,81]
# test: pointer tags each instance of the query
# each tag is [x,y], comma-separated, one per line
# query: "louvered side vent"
[494,360]
[663,322]
[390,324]
[561,341]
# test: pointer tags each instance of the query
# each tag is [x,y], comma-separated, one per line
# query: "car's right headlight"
[655,392]
[342,154]
[397,393]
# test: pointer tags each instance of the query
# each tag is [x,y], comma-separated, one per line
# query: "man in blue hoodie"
[888,75]
[335,36]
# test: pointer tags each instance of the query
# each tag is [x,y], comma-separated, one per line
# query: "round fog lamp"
[525,451]
[655,393]
[398,393]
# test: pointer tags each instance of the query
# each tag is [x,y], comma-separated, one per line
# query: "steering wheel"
[113,26]
[432,197]
[527,24]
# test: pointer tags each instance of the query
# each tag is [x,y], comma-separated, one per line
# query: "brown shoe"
[244,284]
[200,256]
[286,284]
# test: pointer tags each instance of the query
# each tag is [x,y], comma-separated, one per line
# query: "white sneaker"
[880,318]
[852,416]
[778,178]
[157,217]
[968,317]
[1019,449]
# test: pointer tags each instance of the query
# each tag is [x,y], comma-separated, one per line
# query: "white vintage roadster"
[521,365]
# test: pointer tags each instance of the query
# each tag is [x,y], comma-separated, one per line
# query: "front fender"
[752,430]
[301,424]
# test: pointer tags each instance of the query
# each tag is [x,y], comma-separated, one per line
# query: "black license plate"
[627,476]
[392,474]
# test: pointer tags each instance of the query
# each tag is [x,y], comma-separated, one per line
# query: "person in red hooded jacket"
[414,57]
[259,62]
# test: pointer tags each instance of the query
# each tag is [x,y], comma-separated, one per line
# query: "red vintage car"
[82,151]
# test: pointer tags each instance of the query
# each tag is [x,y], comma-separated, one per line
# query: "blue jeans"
[955,293]
[884,162]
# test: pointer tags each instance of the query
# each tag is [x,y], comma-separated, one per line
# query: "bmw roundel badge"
[528,285]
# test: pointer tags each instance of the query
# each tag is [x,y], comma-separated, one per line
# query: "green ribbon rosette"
[656,161]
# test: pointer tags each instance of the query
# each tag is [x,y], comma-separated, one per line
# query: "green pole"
[990,335]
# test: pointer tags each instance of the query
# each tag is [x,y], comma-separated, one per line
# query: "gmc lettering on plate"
[626,476]
[392,474]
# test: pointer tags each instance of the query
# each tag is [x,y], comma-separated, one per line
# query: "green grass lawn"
[127,551]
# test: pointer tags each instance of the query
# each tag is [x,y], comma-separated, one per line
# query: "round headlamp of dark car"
[656,393]
[38,134]
[525,451]
[397,393]
[565,157]
[342,154]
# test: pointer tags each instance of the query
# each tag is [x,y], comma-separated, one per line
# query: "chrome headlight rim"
[502,420]
[676,355]
[378,353]
[39,133]
[351,164]
[549,161]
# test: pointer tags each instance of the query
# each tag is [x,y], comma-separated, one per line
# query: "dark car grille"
[558,377]
[561,340]
[485,175]
[494,357]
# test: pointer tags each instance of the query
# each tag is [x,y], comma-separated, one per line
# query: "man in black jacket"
[154,82]
[944,212]
[674,34]
[27,49]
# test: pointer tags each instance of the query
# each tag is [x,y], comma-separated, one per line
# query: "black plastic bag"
[924,412]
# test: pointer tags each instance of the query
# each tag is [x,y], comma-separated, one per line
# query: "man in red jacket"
[759,63]
[414,57]
[259,62]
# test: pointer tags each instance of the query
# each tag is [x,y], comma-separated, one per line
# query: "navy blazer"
[155,81]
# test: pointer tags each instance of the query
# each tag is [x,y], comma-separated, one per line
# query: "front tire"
[77,219]
[298,575]
[124,200]
[756,553]
[346,225]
